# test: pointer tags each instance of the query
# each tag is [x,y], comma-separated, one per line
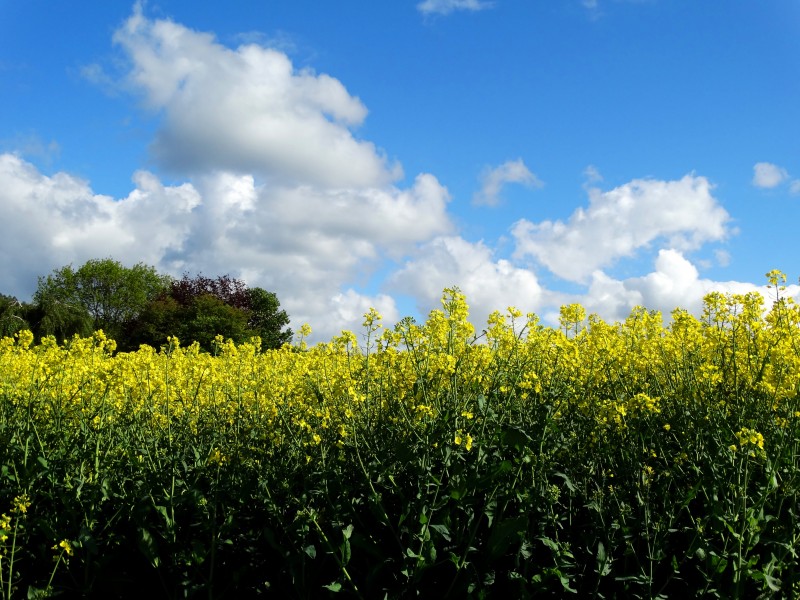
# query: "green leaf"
[442,530]
[567,481]
[603,563]
[311,551]
[504,534]
[334,587]
[346,552]
[515,437]
[147,545]
[700,553]
[773,582]
[549,543]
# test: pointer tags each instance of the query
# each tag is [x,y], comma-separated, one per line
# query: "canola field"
[656,457]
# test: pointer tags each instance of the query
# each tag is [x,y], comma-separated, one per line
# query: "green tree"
[200,308]
[101,294]
[208,316]
[267,320]
[12,316]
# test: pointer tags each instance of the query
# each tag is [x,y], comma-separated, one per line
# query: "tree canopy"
[199,308]
[12,316]
[137,305]
[100,294]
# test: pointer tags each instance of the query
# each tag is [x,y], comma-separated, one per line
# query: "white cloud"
[489,283]
[246,110]
[282,193]
[445,7]
[59,220]
[767,175]
[794,188]
[683,213]
[31,145]
[493,180]
[226,223]
[592,175]
[675,283]
[723,257]
[349,308]
[305,244]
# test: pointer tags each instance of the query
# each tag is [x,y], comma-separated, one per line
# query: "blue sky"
[354,154]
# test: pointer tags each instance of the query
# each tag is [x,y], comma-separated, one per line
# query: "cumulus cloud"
[489,283]
[445,7]
[494,179]
[246,110]
[222,222]
[767,175]
[674,283]
[683,214]
[592,175]
[280,192]
[794,188]
[349,308]
[58,220]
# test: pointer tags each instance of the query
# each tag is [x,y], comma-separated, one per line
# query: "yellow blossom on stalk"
[21,504]
[751,441]
[5,527]
[463,438]
[750,436]
[65,546]
[217,457]
[514,312]
[424,410]
[775,276]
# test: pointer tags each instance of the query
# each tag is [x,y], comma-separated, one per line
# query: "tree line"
[137,305]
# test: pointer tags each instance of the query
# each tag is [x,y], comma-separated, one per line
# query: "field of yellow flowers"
[636,459]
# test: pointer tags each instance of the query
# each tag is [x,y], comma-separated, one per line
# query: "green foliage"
[136,305]
[200,308]
[626,460]
[100,294]
[266,319]
[12,316]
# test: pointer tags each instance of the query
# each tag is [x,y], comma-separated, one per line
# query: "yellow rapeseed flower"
[21,504]
[65,546]
[5,527]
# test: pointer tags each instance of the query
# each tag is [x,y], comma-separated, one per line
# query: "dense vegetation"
[600,460]
[136,305]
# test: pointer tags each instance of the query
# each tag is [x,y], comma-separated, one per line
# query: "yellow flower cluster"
[750,441]
[64,546]
[5,527]
[309,397]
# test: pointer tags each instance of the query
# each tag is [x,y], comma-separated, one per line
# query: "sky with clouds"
[351,155]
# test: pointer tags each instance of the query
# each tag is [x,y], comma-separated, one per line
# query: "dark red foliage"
[229,290]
